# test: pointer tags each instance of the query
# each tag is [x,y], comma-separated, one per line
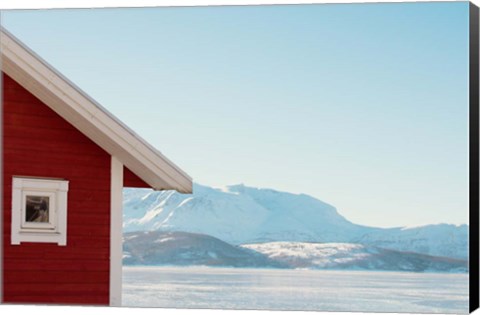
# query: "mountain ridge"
[159,248]
[238,214]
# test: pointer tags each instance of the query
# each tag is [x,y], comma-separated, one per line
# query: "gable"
[81,111]
[132,180]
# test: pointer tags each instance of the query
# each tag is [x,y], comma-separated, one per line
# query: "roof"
[75,106]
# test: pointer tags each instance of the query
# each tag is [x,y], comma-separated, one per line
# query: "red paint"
[38,142]
[132,180]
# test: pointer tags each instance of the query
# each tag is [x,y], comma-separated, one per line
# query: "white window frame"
[53,231]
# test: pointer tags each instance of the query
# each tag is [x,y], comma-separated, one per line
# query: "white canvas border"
[30,4]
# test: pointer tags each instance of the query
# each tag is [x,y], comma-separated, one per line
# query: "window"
[39,210]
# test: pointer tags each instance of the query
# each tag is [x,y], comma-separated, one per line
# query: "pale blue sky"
[364,106]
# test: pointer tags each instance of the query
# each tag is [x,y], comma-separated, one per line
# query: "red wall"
[132,180]
[38,142]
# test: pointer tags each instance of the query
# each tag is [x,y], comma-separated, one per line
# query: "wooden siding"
[38,142]
[132,180]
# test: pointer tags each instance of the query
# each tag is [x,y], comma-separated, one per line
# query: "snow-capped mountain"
[238,214]
[245,215]
[353,256]
[446,240]
[160,248]
[187,249]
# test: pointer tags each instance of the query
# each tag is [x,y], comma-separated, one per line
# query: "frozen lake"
[230,288]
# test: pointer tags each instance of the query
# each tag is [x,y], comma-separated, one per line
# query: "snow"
[411,227]
[308,290]
[313,254]
[243,215]
[236,214]
[304,250]
[165,239]
[182,248]
[208,210]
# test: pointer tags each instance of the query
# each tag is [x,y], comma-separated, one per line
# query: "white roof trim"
[89,117]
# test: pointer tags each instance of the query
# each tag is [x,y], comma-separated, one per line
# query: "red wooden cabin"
[65,161]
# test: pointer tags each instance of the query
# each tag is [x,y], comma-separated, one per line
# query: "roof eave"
[89,117]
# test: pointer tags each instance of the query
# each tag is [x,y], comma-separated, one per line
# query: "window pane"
[37,209]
